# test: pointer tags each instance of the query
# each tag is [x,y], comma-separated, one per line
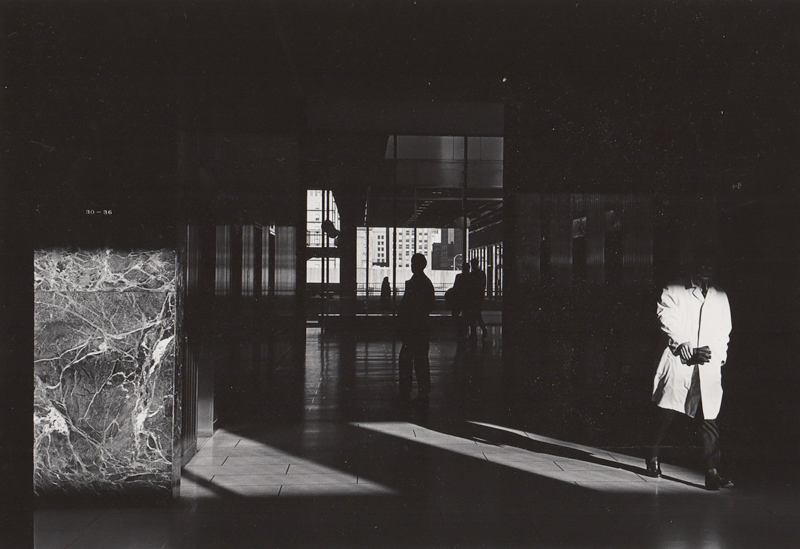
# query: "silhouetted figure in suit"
[413,318]
[476,291]
[457,301]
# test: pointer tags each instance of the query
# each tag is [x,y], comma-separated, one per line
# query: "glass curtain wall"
[381,256]
[322,246]
[439,185]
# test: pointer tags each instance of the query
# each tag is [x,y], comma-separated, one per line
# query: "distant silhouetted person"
[696,318]
[413,318]
[456,299]
[474,303]
[386,293]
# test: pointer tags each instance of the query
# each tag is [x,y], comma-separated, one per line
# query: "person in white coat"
[696,318]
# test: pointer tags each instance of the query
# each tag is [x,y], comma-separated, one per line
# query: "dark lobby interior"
[200,199]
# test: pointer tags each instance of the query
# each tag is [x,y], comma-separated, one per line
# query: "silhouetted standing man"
[696,318]
[418,301]
[477,292]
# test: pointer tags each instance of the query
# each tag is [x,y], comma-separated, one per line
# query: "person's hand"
[685,351]
[702,355]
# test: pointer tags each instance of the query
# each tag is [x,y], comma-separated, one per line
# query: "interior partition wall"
[245,313]
[254,320]
[579,306]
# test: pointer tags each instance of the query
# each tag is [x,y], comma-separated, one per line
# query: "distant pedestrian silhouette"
[386,294]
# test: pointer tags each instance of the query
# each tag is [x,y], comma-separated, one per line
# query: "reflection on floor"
[357,472]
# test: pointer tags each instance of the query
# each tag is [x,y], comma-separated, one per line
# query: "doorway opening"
[443,198]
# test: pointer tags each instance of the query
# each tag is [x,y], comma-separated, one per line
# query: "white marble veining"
[104,270]
[104,363]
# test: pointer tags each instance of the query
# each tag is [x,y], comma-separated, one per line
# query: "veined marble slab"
[104,367]
[104,270]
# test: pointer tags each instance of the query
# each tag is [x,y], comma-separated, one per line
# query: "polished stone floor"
[356,471]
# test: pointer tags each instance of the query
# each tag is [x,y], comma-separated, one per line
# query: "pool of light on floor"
[229,465]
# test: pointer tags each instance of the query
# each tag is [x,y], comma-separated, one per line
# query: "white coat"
[686,315]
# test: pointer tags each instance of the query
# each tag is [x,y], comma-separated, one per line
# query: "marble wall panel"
[104,369]
[104,270]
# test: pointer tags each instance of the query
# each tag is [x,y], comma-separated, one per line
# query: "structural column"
[351,214]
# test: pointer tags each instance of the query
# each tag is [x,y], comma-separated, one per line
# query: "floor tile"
[530,465]
[221,443]
[243,461]
[510,458]
[265,480]
[310,468]
[208,460]
[370,489]
[211,451]
[604,475]
[254,490]
[209,471]
[599,465]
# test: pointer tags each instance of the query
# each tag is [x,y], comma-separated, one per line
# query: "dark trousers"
[474,320]
[706,428]
[414,357]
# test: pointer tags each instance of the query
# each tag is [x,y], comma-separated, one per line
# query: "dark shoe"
[715,482]
[653,467]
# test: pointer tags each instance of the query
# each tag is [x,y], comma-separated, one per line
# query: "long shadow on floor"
[500,436]
[447,497]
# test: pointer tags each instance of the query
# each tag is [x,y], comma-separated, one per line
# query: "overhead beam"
[407,117]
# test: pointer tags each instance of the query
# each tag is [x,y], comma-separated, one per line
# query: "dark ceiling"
[605,95]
